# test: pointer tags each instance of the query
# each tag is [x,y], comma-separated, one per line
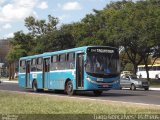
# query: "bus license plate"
[105,85]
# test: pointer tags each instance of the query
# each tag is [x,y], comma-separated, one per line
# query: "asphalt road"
[138,96]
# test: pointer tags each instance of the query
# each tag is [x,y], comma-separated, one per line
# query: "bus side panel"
[22,80]
[39,80]
[58,78]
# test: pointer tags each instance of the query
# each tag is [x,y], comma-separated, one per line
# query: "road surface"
[138,96]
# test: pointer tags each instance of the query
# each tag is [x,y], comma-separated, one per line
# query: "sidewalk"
[152,88]
[9,81]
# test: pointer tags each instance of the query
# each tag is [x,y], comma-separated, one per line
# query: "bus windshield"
[104,64]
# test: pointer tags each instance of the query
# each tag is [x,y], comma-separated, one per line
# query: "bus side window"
[54,62]
[33,65]
[153,68]
[22,66]
[70,61]
[47,65]
[62,62]
[158,67]
[39,64]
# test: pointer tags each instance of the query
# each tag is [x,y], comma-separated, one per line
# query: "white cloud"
[2,1]
[7,26]
[43,5]
[17,10]
[62,17]
[71,6]
[9,35]
[59,5]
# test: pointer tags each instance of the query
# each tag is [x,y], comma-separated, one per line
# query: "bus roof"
[149,65]
[62,51]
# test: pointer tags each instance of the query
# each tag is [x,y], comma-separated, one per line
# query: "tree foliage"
[133,25]
[41,27]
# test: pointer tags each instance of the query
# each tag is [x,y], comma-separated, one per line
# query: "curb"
[154,88]
[7,81]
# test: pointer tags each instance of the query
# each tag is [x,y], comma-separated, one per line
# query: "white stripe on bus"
[69,70]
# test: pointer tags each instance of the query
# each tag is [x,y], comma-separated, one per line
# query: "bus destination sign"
[99,50]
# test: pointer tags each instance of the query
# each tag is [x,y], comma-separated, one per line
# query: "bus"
[88,68]
[154,71]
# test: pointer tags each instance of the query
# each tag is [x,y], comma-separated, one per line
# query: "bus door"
[46,74]
[28,64]
[80,70]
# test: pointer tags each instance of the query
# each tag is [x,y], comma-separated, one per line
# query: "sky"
[13,12]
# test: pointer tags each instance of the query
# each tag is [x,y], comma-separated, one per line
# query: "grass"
[6,78]
[31,104]
[155,83]
[14,103]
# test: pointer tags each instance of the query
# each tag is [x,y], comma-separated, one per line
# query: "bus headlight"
[89,79]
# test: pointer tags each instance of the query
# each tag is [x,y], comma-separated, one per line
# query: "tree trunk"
[10,71]
[135,69]
[147,71]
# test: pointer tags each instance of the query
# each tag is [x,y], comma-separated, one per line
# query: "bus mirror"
[85,63]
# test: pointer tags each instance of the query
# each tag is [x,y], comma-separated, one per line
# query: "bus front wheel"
[146,88]
[97,92]
[69,88]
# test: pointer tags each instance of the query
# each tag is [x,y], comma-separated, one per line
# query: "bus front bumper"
[94,85]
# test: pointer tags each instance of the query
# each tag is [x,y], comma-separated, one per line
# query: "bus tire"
[133,87]
[69,88]
[34,86]
[97,92]
[146,88]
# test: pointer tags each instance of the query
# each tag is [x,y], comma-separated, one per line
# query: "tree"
[22,44]
[150,29]
[134,26]
[41,27]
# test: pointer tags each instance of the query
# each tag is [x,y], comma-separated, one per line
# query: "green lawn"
[21,103]
[155,83]
[39,107]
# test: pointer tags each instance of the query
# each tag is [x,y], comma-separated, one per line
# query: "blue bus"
[88,68]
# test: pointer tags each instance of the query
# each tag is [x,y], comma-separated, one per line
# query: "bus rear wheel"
[97,92]
[69,88]
[35,88]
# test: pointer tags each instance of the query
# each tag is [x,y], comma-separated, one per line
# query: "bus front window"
[102,64]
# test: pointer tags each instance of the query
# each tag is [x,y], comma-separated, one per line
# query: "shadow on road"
[115,93]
